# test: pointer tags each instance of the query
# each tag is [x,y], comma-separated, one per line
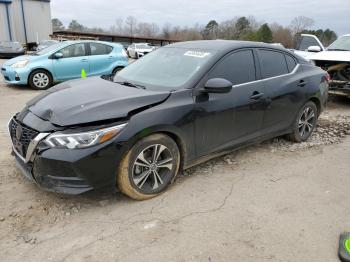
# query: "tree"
[282,35]
[166,30]
[301,23]
[211,30]
[264,34]
[326,37]
[131,24]
[242,27]
[57,25]
[75,26]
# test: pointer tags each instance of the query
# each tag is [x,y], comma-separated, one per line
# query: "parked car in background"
[138,50]
[11,49]
[170,110]
[65,61]
[335,59]
[46,43]
[308,45]
[154,46]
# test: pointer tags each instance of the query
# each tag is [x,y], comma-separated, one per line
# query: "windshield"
[342,43]
[165,68]
[143,46]
[49,49]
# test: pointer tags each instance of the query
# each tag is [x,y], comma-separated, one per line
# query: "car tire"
[40,80]
[305,123]
[142,174]
[137,55]
[115,70]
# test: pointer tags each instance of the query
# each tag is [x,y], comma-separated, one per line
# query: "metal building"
[25,21]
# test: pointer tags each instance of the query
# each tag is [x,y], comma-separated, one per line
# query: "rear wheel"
[116,70]
[305,123]
[149,167]
[40,80]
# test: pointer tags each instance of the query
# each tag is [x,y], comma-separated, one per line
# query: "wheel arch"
[317,102]
[41,68]
[168,131]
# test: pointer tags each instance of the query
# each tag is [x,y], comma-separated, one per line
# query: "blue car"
[64,61]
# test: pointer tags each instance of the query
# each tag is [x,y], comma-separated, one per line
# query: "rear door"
[281,77]
[229,119]
[101,58]
[74,60]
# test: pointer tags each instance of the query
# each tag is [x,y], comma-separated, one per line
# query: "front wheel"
[40,80]
[149,167]
[305,123]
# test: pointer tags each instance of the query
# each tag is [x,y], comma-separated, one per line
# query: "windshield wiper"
[337,49]
[127,83]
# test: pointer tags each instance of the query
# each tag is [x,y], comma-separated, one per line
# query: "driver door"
[225,120]
[74,60]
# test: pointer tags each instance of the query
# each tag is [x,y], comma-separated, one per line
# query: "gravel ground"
[276,201]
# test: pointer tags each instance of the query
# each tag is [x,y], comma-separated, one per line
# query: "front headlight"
[20,64]
[83,139]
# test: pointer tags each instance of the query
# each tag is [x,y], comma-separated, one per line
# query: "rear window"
[290,63]
[272,63]
[100,49]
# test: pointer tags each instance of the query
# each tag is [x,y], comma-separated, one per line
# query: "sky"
[333,14]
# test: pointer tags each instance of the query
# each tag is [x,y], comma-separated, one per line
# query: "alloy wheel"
[306,122]
[41,80]
[152,168]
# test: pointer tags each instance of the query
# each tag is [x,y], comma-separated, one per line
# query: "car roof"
[90,41]
[222,45]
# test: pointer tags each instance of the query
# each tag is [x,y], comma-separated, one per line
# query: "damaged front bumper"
[66,171]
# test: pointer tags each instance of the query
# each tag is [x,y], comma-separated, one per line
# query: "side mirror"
[314,49]
[58,55]
[218,85]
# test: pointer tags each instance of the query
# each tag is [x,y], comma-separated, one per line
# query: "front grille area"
[7,78]
[21,136]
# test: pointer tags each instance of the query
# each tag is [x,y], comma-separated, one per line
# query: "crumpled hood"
[340,56]
[89,100]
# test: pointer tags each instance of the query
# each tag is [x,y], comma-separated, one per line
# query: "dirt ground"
[275,201]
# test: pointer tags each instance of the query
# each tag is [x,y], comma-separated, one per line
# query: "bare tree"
[300,23]
[131,24]
[282,35]
[166,30]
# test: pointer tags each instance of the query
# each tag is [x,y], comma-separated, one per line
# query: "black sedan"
[174,108]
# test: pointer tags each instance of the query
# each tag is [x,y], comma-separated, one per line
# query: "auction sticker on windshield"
[196,54]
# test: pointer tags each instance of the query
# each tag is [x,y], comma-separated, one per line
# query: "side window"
[73,50]
[237,67]
[290,63]
[100,49]
[307,41]
[272,63]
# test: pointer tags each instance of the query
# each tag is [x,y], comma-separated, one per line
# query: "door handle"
[110,57]
[256,95]
[84,60]
[302,83]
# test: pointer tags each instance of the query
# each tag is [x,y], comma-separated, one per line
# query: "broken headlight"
[82,139]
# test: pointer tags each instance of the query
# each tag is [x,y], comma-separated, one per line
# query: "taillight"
[327,77]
